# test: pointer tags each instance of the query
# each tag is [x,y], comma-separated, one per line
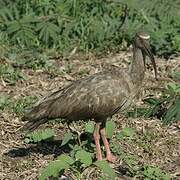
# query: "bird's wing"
[97,96]
[93,97]
[39,110]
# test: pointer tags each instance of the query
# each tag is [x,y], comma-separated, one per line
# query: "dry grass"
[21,161]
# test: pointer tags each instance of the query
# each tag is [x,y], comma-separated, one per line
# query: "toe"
[112,158]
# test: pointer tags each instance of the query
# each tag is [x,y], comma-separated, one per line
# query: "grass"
[98,26]
[17,106]
[10,75]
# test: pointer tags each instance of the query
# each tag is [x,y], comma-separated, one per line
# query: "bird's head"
[141,41]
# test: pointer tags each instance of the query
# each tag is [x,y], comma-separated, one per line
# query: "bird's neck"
[137,67]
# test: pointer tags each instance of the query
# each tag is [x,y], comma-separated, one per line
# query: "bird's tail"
[32,125]
[37,116]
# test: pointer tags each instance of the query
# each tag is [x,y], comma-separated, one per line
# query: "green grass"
[100,26]
[11,75]
[166,107]
[17,106]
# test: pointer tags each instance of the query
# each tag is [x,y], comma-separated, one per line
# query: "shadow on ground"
[48,147]
[44,148]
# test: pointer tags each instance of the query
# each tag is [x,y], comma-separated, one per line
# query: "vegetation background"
[91,25]
[43,41]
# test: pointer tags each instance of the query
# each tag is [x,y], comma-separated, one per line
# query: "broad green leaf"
[54,169]
[66,158]
[39,135]
[84,157]
[129,132]
[89,127]
[106,168]
[67,138]
[110,128]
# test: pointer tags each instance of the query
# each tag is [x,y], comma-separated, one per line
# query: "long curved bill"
[149,53]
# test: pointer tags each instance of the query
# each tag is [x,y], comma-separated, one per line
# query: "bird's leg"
[97,141]
[109,156]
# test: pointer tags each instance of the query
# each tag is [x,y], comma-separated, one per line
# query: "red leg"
[97,142]
[109,155]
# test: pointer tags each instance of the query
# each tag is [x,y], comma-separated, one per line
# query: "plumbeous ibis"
[96,97]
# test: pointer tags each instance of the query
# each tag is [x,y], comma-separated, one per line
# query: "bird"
[96,97]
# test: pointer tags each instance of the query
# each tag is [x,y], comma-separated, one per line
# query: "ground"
[153,143]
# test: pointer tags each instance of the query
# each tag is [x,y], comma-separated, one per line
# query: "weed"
[10,74]
[95,25]
[134,167]
[166,107]
[17,106]
[154,173]
[4,102]
[39,135]
[79,157]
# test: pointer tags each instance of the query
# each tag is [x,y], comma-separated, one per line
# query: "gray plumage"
[98,96]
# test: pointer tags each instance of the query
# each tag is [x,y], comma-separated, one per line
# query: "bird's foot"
[99,158]
[111,158]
